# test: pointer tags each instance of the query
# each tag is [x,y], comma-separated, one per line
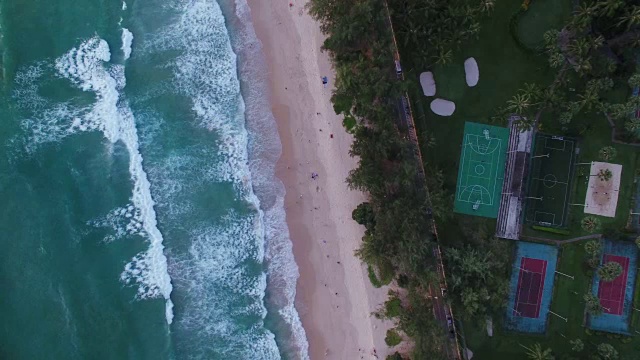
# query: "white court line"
[492,165]
[566,193]
[535,216]
[495,179]
[557,182]
[554,148]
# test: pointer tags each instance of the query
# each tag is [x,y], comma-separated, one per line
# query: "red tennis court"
[611,293]
[530,285]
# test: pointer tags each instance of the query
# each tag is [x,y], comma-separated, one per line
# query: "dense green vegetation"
[392,338]
[517,76]
[398,236]
[565,70]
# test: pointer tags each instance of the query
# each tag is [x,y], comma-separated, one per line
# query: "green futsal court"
[481,171]
[547,199]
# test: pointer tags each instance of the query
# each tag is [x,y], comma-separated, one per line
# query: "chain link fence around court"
[616,298]
[531,287]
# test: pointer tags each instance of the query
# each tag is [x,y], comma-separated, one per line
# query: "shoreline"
[334,297]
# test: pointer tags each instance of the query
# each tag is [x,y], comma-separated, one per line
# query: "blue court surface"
[531,287]
[616,299]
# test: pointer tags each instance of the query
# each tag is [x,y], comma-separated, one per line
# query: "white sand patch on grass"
[602,195]
[443,107]
[471,72]
[428,83]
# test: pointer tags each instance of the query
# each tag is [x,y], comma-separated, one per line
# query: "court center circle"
[479,169]
[549,181]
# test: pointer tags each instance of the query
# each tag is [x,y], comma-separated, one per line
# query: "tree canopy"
[597,45]
[609,271]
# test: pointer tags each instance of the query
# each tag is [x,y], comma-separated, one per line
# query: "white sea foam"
[124,6]
[215,265]
[85,66]
[124,221]
[265,152]
[127,39]
[205,72]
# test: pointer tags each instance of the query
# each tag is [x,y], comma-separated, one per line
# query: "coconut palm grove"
[498,146]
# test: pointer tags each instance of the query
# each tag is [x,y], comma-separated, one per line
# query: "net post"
[563,318]
[563,274]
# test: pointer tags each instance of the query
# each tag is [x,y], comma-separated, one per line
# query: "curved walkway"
[561,242]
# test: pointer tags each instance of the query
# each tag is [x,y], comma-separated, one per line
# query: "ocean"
[141,215]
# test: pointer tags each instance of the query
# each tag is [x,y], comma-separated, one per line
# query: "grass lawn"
[635,315]
[505,66]
[541,16]
[565,301]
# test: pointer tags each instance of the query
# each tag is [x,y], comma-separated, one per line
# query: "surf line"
[88,68]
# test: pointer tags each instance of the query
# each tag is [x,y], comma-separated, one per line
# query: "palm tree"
[589,98]
[556,59]
[531,90]
[583,16]
[411,32]
[565,117]
[590,224]
[609,271]
[576,345]
[607,153]
[631,18]
[634,80]
[519,103]
[486,6]
[607,352]
[593,248]
[609,7]
[536,353]
[592,302]
[444,57]
[604,175]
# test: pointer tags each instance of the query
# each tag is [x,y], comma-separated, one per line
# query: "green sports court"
[552,162]
[481,170]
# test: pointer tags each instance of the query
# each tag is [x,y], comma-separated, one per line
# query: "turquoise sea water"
[140,215]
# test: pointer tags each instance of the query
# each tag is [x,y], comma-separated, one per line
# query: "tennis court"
[616,297]
[547,198]
[611,293]
[530,285]
[481,170]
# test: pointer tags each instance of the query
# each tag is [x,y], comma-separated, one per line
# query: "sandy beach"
[334,298]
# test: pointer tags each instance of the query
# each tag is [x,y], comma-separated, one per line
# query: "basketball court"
[530,285]
[481,170]
[611,293]
[547,199]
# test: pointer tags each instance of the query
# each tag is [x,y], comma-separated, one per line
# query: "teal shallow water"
[133,226]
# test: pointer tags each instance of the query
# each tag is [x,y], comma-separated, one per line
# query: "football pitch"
[550,176]
[481,170]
